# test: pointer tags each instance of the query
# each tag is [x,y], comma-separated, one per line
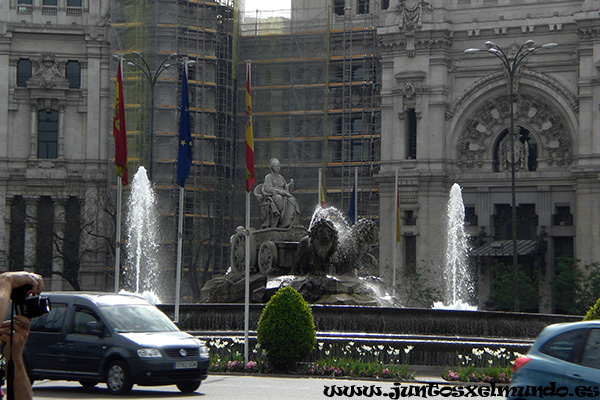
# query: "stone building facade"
[446,118]
[54,113]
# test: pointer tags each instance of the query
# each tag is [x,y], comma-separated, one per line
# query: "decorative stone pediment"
[485,124]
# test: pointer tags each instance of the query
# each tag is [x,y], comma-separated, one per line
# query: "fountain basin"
[379,320]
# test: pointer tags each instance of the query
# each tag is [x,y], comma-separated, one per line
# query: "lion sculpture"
[318,251]
[354,249]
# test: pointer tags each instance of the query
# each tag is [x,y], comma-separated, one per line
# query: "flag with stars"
[184,161]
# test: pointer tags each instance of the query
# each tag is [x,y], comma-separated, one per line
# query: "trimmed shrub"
[286,329]
[593,312]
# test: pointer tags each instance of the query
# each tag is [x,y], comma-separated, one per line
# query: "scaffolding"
[202,31]
[316,84]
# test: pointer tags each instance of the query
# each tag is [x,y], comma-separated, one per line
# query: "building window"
[73,3]
[385,4]
[73,74]
[47,134]
[363,7]
[470,216]
[25,6]
[23,72]
[16,253]
[49,7]
[356,150]
[411,134]
[562,216]
[338,7]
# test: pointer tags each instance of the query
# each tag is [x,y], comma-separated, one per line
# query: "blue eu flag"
[184,161]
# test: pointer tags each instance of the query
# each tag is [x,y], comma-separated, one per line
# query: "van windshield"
[138,318]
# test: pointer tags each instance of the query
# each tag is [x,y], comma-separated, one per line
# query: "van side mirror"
[94,328]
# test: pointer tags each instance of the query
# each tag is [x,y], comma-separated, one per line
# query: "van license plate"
[186,364]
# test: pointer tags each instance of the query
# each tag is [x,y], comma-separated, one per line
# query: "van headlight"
[148,353]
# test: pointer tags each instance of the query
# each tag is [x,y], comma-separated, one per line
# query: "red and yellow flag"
[323,205]
[249,135]
[119,129]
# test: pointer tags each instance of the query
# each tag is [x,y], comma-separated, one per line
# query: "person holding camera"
[13,344]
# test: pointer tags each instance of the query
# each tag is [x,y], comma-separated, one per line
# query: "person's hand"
[20,278]
[21,332]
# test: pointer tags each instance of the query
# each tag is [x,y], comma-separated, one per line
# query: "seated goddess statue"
[280,208]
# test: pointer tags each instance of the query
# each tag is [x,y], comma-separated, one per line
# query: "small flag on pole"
[184,160]
[323,205]
[249,134]
[119,129]
[398,227]
[352,210]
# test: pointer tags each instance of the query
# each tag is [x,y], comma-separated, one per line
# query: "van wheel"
[118,380]
[188,387]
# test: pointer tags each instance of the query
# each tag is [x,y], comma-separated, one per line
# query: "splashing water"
[459,285]
[142,232]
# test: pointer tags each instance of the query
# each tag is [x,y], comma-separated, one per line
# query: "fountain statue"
[458,290]
[322,262]
[279,207]
[141,273]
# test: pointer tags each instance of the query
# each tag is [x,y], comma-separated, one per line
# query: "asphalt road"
[236,387]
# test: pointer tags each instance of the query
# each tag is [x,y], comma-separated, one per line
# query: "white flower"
[408,349]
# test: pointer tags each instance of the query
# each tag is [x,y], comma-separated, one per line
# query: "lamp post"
[136,60]
[511,64]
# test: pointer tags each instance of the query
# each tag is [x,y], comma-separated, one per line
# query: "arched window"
[47,134]
[526,151]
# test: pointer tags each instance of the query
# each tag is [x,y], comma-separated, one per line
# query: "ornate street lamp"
[135,59]
[512,63]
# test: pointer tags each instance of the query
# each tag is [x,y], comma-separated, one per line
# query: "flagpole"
[396,233]
[355,194]
[118,236]
[179,251]
[249,182]
[319,189]
[247,282]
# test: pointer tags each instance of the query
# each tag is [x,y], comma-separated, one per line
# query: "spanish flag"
[249,134]
[398,227]
[322,197]
[119,129]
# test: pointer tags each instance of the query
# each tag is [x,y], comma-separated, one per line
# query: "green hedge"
[286,329]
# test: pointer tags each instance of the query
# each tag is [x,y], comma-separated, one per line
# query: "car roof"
[99,298]
[555,329]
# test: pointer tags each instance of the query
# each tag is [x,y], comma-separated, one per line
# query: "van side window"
[81,319]
[51,322]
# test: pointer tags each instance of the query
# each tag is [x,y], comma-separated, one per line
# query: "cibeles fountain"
[323,262]
[326,263]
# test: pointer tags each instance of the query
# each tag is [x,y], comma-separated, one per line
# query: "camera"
[29,306]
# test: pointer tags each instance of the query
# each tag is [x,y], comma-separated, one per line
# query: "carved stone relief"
[485,124]
[48,73]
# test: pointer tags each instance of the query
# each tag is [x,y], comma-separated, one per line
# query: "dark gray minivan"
[114,338]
